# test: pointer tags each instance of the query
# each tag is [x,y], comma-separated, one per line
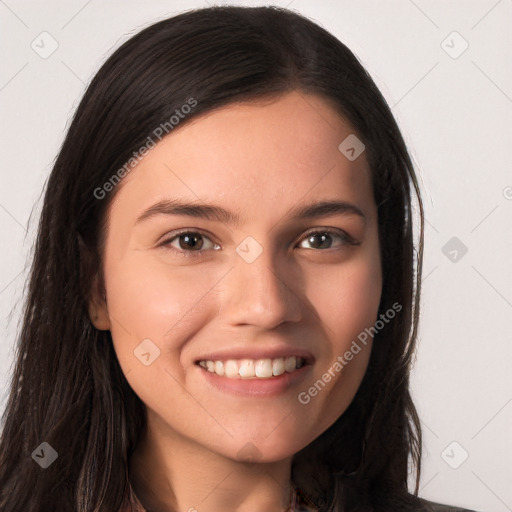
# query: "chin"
[273,449]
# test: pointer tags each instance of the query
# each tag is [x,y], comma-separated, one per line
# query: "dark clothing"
[439,507]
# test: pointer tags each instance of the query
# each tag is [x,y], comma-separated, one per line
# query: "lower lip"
[256,386]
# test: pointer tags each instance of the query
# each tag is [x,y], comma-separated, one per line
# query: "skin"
[258,159]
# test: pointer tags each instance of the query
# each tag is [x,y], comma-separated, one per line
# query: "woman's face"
[249,280]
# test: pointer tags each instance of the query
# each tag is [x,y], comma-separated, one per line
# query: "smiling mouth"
[253,368]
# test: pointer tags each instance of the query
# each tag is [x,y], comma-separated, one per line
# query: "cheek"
[356,303]
[357,300]
[348,306]
[348,302]
[150,301]
[146,300]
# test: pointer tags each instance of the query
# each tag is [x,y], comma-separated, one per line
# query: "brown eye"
[323,239]
[189,243]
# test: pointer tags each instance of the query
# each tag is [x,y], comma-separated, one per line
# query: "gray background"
[455,110]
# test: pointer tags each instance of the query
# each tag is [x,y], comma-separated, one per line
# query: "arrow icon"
[44,455]
[454,455]
[454,45]
[454,249]
[351,147]
[249,249]
[146,352]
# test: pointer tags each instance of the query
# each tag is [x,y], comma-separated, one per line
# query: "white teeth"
[278,366]
[219,367]
[246,369]
[250,368]
[290,363]
[264,368]
[231,369]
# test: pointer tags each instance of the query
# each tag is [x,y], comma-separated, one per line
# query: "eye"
[322,238]
[189,243]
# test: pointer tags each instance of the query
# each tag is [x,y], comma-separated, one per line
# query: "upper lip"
[257,353]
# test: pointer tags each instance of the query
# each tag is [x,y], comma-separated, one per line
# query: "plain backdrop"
[445,69]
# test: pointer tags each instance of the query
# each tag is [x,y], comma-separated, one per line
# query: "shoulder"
[439,507]
[421,505]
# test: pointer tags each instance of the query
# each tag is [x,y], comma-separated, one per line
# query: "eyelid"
[348,239]
[170,237]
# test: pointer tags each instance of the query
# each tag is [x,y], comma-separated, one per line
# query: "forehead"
[253,156]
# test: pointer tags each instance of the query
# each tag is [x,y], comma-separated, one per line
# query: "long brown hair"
[68,389]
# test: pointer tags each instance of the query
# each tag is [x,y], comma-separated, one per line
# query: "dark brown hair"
[67,387]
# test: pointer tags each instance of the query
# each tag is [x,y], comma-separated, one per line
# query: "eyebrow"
[217,213]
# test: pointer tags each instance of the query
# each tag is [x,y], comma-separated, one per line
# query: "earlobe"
[98,313]
[98,309]
[93,287]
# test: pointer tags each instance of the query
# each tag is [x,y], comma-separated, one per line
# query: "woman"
[224,296]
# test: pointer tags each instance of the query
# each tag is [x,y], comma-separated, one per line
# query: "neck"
[171,473]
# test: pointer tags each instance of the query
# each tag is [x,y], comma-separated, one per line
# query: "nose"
[261,293]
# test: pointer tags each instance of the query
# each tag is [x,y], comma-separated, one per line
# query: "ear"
[93,287]
[98,309]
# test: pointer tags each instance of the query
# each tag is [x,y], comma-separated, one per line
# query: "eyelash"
[346,240]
